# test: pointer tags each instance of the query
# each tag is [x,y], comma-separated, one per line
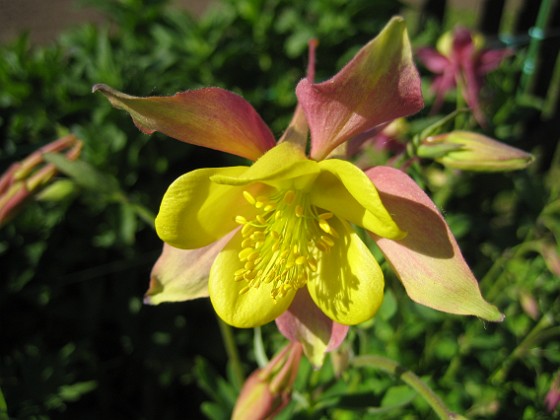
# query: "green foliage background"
[77,342]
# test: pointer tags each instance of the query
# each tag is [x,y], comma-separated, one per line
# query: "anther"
[247,229]
[327,240]
[325,227]
[244,290]
[289,197]
[244,253]
[301,260]
[312,263]
[250,199]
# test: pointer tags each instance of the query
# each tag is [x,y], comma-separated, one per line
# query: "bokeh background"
[76,340]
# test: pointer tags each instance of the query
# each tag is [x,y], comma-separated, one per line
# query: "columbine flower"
[276,240]
[460,60]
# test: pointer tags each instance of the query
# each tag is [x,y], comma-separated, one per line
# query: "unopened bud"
[24,180]
[267,391]
[552,399]
[473,152]
[57,191]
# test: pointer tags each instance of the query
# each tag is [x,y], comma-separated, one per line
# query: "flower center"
[283,242]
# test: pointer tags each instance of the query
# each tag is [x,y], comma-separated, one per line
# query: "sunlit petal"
[349,284]
[243,309]
[279,167]
[346,191]
[378,85]
[196,212]
[208,117]
[428,261]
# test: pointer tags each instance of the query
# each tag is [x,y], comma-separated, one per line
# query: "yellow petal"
[195,212]
[279,167]
[243,310]
[346,191]
[349,285]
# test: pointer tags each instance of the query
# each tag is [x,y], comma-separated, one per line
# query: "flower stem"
[233,354]
[410,378]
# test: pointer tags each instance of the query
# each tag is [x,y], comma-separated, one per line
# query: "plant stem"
[410,378]
[537,34]
[258,345]
[233,354]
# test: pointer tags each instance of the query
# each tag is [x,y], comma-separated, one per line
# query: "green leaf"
[85,175]
[398,396]
[75,391]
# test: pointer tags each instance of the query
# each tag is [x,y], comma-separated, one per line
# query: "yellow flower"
[275,240]
[294,219]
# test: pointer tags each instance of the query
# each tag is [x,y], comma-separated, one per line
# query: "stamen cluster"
[283,242]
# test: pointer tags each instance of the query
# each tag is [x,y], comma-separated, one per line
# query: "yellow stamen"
[282,242]
[250,199]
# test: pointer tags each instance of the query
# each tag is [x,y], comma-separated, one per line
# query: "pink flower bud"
[267,391]
[25,179]
[553,396]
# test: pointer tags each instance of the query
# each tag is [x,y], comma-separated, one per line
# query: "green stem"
[258,345]
[460,103]
[410,378]
[537,34]
[233,354]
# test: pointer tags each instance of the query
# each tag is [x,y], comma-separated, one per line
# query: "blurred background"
[77,342]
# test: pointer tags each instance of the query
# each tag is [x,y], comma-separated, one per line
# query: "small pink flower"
[460,61]
[268,390]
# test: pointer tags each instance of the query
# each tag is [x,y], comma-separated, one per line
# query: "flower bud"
[25,179]
[473,152]
[267,391]
[552,399]
[57,191]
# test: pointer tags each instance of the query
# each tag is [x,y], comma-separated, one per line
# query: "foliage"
[79,343]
